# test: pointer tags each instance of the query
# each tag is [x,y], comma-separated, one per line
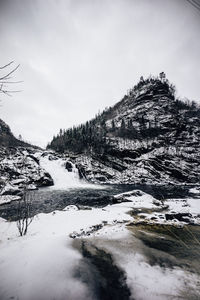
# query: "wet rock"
[101,178]
[69,166]
[82,172]
[45,180]
[182,217]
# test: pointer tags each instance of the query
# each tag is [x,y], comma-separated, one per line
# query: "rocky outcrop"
[20,167]
[69,166]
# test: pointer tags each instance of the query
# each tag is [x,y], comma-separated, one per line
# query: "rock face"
[148,137]
[20,165]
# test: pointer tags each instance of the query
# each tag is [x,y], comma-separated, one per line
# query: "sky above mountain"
[77,57]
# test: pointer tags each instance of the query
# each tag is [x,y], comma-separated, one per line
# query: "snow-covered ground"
[41,264]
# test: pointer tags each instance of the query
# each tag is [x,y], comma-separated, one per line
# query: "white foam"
[60,175]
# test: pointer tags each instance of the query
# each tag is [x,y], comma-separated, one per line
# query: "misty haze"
[99,150]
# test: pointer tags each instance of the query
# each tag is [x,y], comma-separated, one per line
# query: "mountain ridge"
[150,136]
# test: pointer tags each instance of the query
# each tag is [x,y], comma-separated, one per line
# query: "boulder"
[69,166]
[31,187]
[182,217]
[71,208]
[44,180]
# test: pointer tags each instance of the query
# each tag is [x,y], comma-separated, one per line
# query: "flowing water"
[61,177]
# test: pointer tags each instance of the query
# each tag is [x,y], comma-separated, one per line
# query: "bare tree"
[24,209]
[24,204]
[6,81]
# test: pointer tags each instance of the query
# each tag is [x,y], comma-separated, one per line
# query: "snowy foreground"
[41,265]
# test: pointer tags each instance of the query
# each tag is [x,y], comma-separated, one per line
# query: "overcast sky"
[77,57]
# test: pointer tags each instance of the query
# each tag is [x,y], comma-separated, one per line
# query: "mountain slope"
[7,139]
[147,137]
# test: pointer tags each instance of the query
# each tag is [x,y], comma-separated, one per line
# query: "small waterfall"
[61,177]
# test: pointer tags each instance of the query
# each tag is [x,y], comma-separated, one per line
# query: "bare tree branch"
[11,72]
[5,79]
[194,4]
[6,82]
[10,63]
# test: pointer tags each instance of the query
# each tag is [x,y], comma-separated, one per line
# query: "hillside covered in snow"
[150,136]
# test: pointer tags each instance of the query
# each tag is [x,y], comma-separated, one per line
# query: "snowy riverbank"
[41,265]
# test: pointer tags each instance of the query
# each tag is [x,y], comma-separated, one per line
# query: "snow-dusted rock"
[8,198]
[31,187]
[70,208]
[9,189]
[18,181]
[138,199]
[21,166]
[195,190]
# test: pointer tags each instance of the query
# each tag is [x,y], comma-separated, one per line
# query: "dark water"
[47,200]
